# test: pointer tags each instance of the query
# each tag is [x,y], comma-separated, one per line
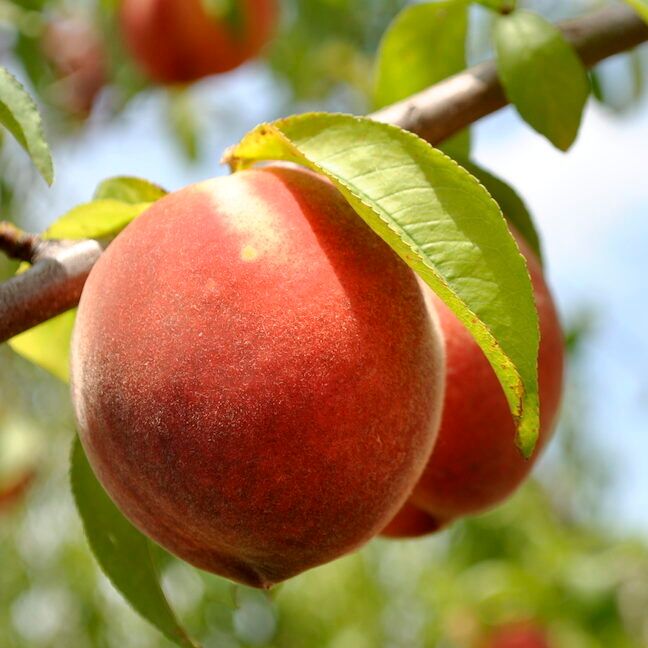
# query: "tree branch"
[17,244]
[54,283]
[449,106]
[50,287]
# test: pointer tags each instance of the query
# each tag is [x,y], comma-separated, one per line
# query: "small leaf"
[440,221]
[19,115]
[424,44]
[640,6]
[183,122]
[514,209]
[542,75]
[129,190]
[123,553]
[48,344]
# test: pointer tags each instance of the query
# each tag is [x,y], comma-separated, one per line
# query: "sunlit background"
[568,553]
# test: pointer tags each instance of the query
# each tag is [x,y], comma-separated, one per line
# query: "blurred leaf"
[183,122]
[597,86]
[458,145]
[30,53]
[129,190]
[513,207]
[429,41]
[640,6]
[439,219]
[121,550]
[542,75]
[425,44]
[48,344]
[19,115]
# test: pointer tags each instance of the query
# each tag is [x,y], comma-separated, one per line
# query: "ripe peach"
[256,379]
[475,463]
[177,41]
[77,55]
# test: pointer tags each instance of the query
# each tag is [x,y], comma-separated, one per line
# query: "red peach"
[178,41]
[256,379]
[475,463]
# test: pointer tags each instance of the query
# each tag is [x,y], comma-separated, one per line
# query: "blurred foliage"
[547,556]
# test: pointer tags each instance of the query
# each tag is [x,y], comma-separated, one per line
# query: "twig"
[18,244]
[53,285]
[50,287]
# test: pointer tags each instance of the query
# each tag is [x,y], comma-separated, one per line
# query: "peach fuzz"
[256,378]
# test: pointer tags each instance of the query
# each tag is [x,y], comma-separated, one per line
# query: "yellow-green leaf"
[439,219]
[98,219]
[512,205]
[424,44]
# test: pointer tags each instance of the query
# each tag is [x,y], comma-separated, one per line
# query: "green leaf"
[48,344]
[424,44]
[514,209]
[439,219]
[640,6]
[542,75]
[129,190]
[184,123]
[597,86]
[459,145]
[19,115]
[123,553]
[97,219]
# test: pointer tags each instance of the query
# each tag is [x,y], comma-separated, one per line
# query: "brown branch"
[18,244]
[449,106]
[50,287]
[54,283]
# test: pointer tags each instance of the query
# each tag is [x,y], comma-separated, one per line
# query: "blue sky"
[591,206]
